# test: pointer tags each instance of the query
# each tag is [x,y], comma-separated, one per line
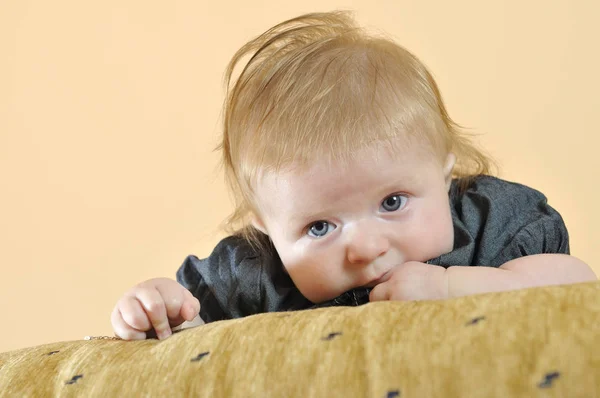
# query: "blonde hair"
[320,87]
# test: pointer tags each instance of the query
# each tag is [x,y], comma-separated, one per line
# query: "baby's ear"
[448,167]
[258,224]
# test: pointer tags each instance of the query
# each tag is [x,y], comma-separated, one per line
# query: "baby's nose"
[366,245]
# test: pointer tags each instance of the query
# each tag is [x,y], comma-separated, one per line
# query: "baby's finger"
[155,308]
[379,293]
[133,314]
[174,297]
[122,329]
[191,306]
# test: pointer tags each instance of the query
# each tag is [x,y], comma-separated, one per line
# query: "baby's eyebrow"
[302,218]
[305,217]
[402,181]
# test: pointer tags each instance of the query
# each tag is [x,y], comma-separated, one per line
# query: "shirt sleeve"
[216,281]
[496,221]
[236,281]
[547,234]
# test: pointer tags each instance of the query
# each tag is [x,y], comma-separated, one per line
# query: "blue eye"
[394,202]
[320,228]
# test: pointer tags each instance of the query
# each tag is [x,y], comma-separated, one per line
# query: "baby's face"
[340,228]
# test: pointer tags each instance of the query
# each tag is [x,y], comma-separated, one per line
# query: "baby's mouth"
[380,279]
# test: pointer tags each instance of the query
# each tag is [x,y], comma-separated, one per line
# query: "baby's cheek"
[314,281]
[437,234]
[310,283]
[298,270]
[445,231]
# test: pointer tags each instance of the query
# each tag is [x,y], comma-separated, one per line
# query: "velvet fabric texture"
[541,342]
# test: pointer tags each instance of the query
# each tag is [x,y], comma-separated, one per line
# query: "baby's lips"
[382,278]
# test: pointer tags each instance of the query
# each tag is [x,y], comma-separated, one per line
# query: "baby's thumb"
[190,308]
[378,293]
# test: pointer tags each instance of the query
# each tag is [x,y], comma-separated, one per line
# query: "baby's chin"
[323,297]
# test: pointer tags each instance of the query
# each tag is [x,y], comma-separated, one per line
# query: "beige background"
[109,112]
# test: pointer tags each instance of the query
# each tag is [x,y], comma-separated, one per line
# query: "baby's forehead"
[334,162]
[327,181]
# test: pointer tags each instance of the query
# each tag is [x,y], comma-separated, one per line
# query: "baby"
[353,184]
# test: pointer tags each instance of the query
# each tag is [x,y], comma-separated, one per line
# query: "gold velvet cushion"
[542,342]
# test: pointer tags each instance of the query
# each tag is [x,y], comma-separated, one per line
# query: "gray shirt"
[494,221]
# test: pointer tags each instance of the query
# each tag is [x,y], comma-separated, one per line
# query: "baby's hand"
[157,304]
[413,280]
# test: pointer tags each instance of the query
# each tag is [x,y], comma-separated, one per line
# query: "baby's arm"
[421,281]
[522,272]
